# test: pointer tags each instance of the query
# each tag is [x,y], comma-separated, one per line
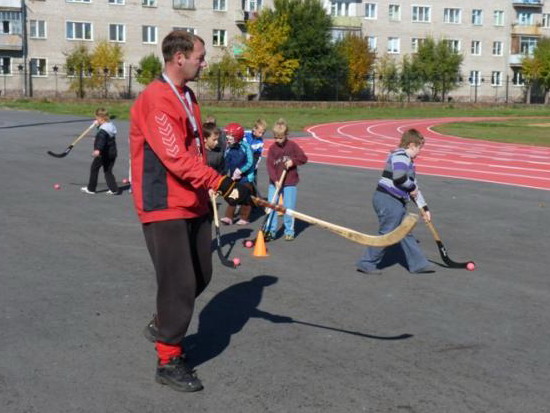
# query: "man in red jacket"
[171,183]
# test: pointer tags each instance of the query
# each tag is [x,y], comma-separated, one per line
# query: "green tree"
[309,42]
[77,66]
[387,71]
[536,68]
[105,61]
[262,53]
[410,81]
[359,60]
[225,75]
[438,66]
[150,67]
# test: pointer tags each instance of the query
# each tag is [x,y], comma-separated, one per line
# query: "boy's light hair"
[280,128]
[260,123]
[102,113]
[411,136]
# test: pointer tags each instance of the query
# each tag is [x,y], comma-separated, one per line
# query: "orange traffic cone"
[259,246]
[280,203]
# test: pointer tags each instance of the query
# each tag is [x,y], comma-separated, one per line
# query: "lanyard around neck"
[188,111]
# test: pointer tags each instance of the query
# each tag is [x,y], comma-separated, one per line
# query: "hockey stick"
[225,261]
[70,147]
[384,240]
[470,265]
[278,187]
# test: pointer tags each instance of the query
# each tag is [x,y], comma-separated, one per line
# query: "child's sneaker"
[109,192]
[289,237]
[226,221]
[269,236]
[86,191]
[242,222]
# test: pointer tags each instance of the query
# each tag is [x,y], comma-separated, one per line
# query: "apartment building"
[492,35]
[54,27]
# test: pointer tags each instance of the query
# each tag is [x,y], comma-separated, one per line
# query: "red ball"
[470,266]
[236,262]
[57,187]
[125,181]
[248,244]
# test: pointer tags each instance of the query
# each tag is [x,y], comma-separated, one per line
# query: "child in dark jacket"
[104,154]
[214,153]
[283,154]
[239,165]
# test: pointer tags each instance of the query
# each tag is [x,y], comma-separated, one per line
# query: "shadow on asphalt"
[229,311]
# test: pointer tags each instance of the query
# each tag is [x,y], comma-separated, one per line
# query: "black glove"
[234,193]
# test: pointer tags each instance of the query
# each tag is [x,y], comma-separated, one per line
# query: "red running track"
[365,144]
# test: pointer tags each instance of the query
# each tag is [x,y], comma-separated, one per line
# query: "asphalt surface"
[298,331]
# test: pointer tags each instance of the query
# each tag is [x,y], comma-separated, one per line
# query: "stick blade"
[57,155]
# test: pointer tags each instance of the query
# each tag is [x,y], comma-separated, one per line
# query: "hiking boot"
[86,190]
[151,331]
[178,375]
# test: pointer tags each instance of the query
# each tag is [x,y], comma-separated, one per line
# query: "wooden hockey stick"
[442,250]
[70,147]
[278,187]
[225,261]
[385,240]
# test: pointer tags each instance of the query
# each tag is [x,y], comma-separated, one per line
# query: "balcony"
[515,59]
[526,30]
[528,3]
[12,42]
[243,16]
[350,22]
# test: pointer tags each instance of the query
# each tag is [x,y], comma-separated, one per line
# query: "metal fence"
[56,82]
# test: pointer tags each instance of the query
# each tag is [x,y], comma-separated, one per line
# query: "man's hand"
[234,193]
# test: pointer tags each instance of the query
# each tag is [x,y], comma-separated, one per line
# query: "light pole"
[55,69]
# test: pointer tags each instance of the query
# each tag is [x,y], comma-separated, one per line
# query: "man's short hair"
[411,136]
[179,41]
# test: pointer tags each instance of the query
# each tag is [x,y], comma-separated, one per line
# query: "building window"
[219,5]
[496,79]
[497,48]
[121,71]
[525,18]
[149,34]
[421,14]
[475,78]
[5,65]
[78,1]
[546,20]
[370,11]
[149,3]
[498,17]
[117,33]
[517,78]
[38,67]
[476,48]
[11,22]
[477,17]
[393,45]
[452,16]
[219,37]
[117,2]
[183,4]
[252,5]
[339,8]
[371,41]
[394,12]
[454,45]
[527,45]
[38,29]
[79,31]
[416,42]
[186,29]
